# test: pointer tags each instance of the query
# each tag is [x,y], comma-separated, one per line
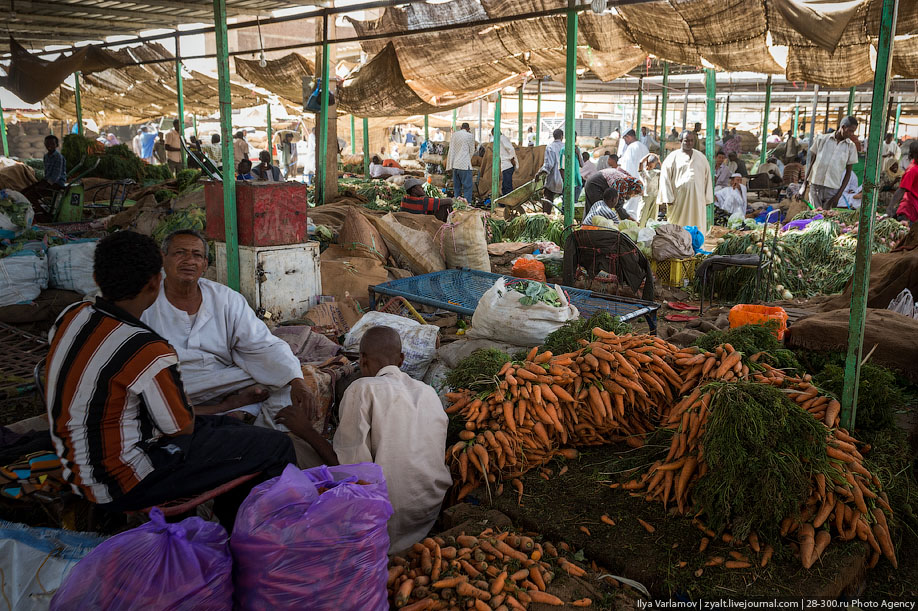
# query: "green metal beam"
[366,148]
[78,102]
[764,153]
[851,101]
[796,115]
[226,141]
[270,132]
[710,81]
[426,128]
[519,107]
[868,213]
[663,132]
[495,153]
[180,95]
[640,107]
[538,125]
[570,99]
[6,146]
[353,136]
[323,120]
[194,119]
[898,116]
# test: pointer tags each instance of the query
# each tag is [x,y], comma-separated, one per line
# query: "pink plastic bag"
[314,539]
[184,566]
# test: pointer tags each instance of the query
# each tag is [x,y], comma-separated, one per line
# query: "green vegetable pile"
[752,339]
[565,339]
[380,195]
[878,395]
[163,195]
[762,452]
[189,218]
[533,228]
[159,173]
[818,260]
[38,166]
[185,180]
[115,162]
[478,371]
[16,212]
[537,292]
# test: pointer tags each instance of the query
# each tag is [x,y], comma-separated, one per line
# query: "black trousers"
[219,450]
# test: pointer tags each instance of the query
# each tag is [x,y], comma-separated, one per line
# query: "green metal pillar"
[495,153]
[538,125]
[663,132]
[895,127]
[796,115]
[78,102]
[710,81]
[6,146]
[270,131]
[778,122]
[851,101]
[867,214]
[809,156]
[455,112]
[570,95]
[426,128]
[519,107]
[322,152]
[723,127]
[226,141]
[764,153]
[640,107]
[180,94]
[194,119]
[353,136]
[366,148]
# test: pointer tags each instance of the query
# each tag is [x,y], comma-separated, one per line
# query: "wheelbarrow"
[525,198]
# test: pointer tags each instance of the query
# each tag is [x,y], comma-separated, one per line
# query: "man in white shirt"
[378,170]
[635,151]
[891,152]
[137,143]
[174,148]
[551,167]
[732,197]
[459,160]
[397,422]
[588,168]
[530,137]
[228,358]
[240,148]
[508,163]
[835,155]
[686,187]
[648,139]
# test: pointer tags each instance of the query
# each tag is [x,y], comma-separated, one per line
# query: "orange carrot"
[545,598]
[736,564]
[646,526]
[497,585]
[807,544]
[583,602]
[605,518]
[467,589]
[766,555]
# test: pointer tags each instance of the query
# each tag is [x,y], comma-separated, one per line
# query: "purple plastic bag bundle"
[154,566]
[314,539]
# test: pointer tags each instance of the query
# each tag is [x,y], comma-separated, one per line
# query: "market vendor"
[230,361]
[905,199]
[397,422]
[732,198]
[686,187]
[611,206]
[830,171]
[418,202]
[378,170]
[119,418]
[266,170]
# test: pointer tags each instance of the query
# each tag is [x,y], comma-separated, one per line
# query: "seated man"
[732,199]
[244,170]
[266,170]
[772,170]
[119,418]
[398,423]
[55,177]
[229,359]
[418,202]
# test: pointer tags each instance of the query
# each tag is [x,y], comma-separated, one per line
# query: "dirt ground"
[562,505]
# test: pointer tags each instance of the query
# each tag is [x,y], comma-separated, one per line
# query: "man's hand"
[294,419]
[303,399]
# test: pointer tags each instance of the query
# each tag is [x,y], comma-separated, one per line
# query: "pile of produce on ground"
[526,228]
[379,194]
[115,162]
[815,260]
[734,426]
[495,570]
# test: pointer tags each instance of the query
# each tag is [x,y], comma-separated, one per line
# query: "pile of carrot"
[498,571]
[614,388]
[839,500]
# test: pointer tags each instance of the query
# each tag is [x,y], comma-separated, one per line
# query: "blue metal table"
[458,290]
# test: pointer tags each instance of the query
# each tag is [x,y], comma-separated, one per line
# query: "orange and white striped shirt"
[113,389]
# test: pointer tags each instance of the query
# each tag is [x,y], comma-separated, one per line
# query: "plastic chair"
[710,266]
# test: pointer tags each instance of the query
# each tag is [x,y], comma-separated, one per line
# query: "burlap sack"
[359,235]
[463,241]
[671,242]
[890,273]
[529,161]
[414,249]
[343,278]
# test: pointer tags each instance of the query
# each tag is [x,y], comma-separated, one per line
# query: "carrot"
[704,544]
[535,575]
[583,602]
[532,353]
[520,575]
[404,593]
[823,514]
[497,585]
[569,453]
[728,363]
[737,564]
[570,568]
[807,544]
[754,542]
[881,532]
[585,531]
[421,605]
[467,589]
[562,394]
[822,540]
[545,598]
[738,556]
[715,561]
[605,518]
[766,555]
[684,477]
[646,526]
[543,358]
[480,605]
[518,484]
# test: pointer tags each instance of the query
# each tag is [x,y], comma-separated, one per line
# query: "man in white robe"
[630,161]
[229,360]
[686,188]
[397,422]
[732,198]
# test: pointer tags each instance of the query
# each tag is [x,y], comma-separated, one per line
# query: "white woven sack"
[71,267]
[419,342]
[23,275]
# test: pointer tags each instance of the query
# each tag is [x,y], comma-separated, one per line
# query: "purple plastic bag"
[154,566]
[297,549]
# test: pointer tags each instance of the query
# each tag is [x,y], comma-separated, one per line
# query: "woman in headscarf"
[606,193]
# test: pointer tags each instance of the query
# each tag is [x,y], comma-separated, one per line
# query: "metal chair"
[710,266]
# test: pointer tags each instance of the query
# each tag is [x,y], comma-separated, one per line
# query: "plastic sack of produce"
[23,276]
[419,342]
[524,318]
[531,269]
[314,539]
[70,266]
[463,241]
[154,566]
